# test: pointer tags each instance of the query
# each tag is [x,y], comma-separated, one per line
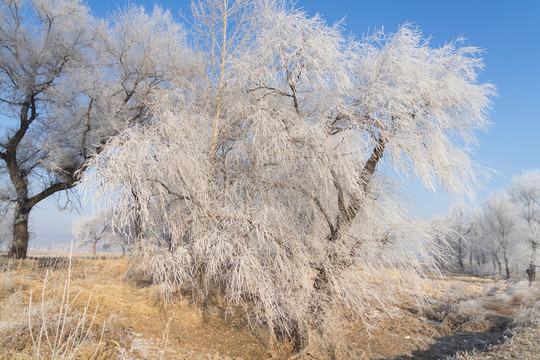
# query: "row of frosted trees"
[503,234]
[257,152]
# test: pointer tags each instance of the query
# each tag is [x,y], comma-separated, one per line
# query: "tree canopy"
[267,175]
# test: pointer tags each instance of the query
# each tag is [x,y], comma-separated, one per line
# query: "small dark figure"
[531,273]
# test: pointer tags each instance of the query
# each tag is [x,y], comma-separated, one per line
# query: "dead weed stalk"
[62,334]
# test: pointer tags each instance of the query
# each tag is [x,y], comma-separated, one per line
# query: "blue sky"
[509,31]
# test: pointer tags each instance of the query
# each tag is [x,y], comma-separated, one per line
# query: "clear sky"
[509,31]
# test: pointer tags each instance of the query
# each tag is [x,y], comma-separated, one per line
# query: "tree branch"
[371,164]
[54,188]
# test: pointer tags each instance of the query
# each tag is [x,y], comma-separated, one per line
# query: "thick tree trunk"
[25,204]
[22,211]
[19,247]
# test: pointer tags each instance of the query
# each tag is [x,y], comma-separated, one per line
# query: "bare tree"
[284,210]
[525,193]
[67,84]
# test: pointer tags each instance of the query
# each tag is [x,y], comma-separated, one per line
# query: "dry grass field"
[52,307]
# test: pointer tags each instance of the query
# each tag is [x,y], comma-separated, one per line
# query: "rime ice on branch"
[70,82]
[264,179]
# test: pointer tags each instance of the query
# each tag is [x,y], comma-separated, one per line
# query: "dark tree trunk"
[138,219]
[19,247]
[531,272]
[532,264]
[506,268]
[25,204]
[497,263]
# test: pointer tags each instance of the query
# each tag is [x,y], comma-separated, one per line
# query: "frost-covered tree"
[478,249]
[525,193]
[269,182]
[443,235]
[500,224]
[68,83]
[97,228]
[457,234]
[460,234]
[41,43]
[514,214]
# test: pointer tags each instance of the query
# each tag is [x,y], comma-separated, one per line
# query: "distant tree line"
[502,235]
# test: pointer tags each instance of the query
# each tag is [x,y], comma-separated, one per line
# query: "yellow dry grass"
[134,316]
[139,325]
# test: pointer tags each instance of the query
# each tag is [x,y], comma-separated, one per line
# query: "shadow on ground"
[450,345]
